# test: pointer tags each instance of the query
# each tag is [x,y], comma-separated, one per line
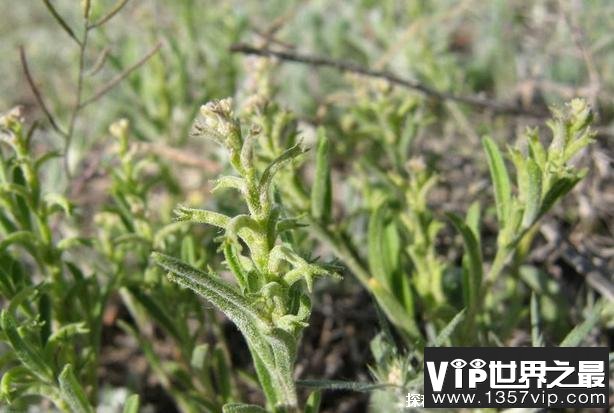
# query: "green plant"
[129,231]
[49,318]
[543,176]
[92,19]
[398,201]
[270,302]
[393,193]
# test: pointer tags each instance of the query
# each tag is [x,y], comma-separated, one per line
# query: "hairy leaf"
[473,255]
[132,404]
[321,193]
[447,331]
[341,385]
[582,330]
[72,392]
[28,355]
[242,408]
[500,179]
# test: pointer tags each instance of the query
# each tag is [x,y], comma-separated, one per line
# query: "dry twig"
[104,89]
[179,156]
[344,66]
[37,93]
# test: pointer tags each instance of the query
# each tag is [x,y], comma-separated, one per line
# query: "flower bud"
[580,114]
[217,122]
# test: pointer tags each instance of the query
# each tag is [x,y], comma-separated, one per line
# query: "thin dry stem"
[104,89]
[344,66]
[37,93]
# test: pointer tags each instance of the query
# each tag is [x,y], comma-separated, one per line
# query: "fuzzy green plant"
[39,321]
[418,289]
[403,228]
[543,175]
[129,229]
[270,300]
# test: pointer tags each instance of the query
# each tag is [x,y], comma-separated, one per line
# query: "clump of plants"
[52,322]
[102,273]
[269,301]
[49,319]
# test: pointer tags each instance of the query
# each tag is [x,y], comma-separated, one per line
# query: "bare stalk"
[344,66]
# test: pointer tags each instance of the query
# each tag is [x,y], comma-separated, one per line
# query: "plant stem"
[78,96]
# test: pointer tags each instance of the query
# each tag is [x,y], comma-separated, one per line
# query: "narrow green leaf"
[313,402]
[9,377]
[47,391]
[321,193]
[375,239]
[402,287]
[47,156]
[23,204]
[582,330]
[132,404]
[474,260]
[473,219]
[447,331]
[401,317]
[265,378]
[44,310]
[14,189]
[237,308]
[63,334]
[201,216]
[230,182]
[234,263]
[288,224]
[536,150]
[533,194]
[56,202]
[277,164]
[559,189]
[23,297]
[342,385]
[24,351]
[500,179]
[242,408]
[522,179]
[25,238]
[283,347]
[273,350]
[199,357]
[537,340]
[72,392]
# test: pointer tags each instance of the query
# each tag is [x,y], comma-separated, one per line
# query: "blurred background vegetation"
[122,185]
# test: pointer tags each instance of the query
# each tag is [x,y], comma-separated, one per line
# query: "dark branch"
[61,21]
[37,94]
[344,66]
[121,76]
[116,9]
